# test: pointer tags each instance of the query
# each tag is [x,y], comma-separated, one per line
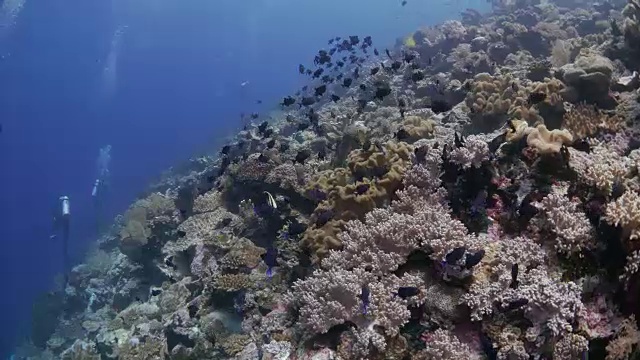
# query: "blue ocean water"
[158,80]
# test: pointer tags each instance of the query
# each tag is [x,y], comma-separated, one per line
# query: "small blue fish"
[271,260]
[473,259]
[455,255]
[407,291]
[479,203]
[364,296]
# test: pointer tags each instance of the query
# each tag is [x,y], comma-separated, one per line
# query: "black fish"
[495,143]
[270,259]
[335,97]
[375,70]
[326,78]
[271,143]
[473,259]
[366,144]
[320,90]
[354,40]
[322,154]
[317,73]
[302,156]
[516,304]
[347,82]
[417,76]
[421,154]
[375,51]
[514,276]
[362,188]
[382,92]
[263,158]
[363,87]
[307,100]
[396,65]
[313,117]
[581,145]
[331,41]
[356,73]
[403,3]
[440,106]
[339,77]
[262,127]
[455,255]
[407,291]
[362,103]
[301,69]
[364,296]
[458,141]
[254,116]
[288,101]
[402,135]
[409,56]
[536,97]
[340,63]
[225,149]
[388,53]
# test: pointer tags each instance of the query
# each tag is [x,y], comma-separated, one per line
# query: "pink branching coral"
[333,297]
[547,302]
[441,344]
[473,153]
[571,227]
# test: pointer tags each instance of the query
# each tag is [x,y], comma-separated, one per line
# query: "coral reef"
[472,194]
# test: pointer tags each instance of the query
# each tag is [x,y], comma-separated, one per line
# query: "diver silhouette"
[101,183]
[61,223]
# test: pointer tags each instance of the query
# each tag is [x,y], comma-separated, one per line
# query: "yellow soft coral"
[585,120]
[548,142]
[372,177]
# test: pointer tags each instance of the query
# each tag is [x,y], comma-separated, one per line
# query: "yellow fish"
[409,41]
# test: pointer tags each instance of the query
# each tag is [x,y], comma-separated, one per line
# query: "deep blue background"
[179,67]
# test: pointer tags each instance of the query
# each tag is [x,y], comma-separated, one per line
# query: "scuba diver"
[61,222]
[101,182]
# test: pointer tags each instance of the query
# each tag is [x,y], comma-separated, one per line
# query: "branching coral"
[573,231]
[625,212]
[550,303]
[442,344]
[474,152]
[627,339]
[332,297]
[601,168]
